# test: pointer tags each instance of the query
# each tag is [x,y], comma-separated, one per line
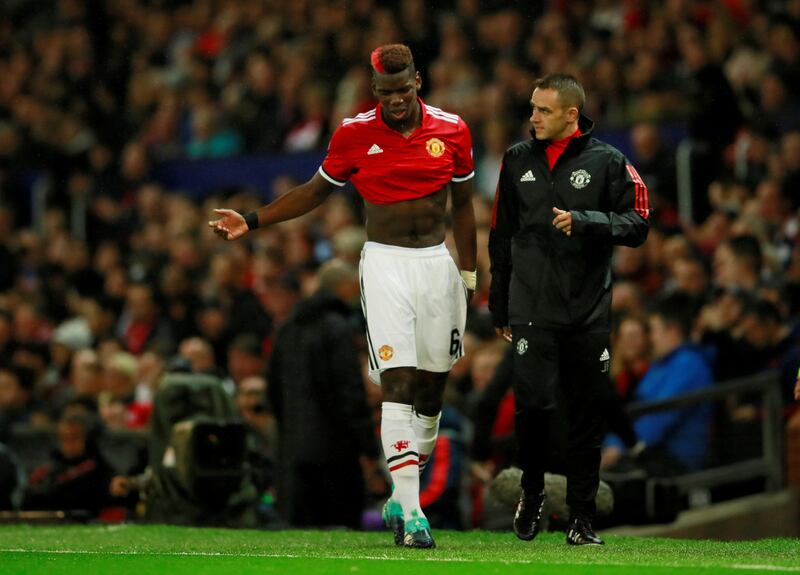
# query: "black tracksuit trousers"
[561,365]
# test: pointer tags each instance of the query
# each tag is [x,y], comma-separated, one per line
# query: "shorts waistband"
[431,251]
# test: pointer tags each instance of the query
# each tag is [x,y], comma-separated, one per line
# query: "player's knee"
[429,405]
[429,392]
[397,386]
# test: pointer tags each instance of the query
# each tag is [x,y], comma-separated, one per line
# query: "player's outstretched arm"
[464,232]
[298,201]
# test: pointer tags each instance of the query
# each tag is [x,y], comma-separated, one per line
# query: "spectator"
[7,340]
[254,107]
[492,446]
[714,117]
[8,260]
[16,399]
[314,366]
[140,321]
[210,139]
[348,242]
[245,358]
[790,161]
[76,478]
[68,338]
[85,378]
[495,136]
[119,407]
[200,355]
[690,275]
[737,263]
[12,480]
[656,165]
[251,401]
[746,336]
[225,286]
[674,440]
[630,341]
[151,367]
[797,389]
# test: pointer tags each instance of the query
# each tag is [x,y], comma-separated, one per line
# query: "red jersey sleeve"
[463,164]
[337,167]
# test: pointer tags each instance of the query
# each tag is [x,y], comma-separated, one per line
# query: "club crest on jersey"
[522,346]
[580,179]
[386,352]
[401,445]
[435,147]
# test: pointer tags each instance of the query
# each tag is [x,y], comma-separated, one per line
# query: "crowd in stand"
[94,93]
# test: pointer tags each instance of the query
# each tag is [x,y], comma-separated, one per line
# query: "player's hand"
[563,221]
[504,332]
[230,225]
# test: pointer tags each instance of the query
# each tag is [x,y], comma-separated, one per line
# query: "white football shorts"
[415,304]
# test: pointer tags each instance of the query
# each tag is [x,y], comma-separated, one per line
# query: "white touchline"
[743,567]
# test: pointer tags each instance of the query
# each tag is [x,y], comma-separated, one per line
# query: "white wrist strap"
[470,279]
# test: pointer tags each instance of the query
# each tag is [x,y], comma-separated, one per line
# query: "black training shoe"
[580,532]
[393,518]
[528,518]
[418,534]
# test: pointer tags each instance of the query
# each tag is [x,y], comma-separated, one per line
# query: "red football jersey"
[385,167]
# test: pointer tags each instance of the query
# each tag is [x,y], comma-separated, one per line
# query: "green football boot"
[418,534]
[393,518]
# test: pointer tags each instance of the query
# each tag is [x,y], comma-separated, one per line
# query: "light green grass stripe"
[121,564]
[235,551]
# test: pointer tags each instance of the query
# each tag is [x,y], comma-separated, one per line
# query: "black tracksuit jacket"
[539,274]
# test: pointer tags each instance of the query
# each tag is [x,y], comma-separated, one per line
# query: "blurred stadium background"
[123,123]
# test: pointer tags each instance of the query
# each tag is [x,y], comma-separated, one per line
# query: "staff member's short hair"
[570,92]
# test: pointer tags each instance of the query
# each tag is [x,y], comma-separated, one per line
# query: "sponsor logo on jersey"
[435,147]
[580,179]
[386,352]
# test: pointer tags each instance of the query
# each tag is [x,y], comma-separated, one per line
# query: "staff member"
[563,201]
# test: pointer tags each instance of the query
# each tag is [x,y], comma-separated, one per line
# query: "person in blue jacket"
[675,440]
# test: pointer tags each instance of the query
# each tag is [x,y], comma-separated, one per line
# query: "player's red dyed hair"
[391,59]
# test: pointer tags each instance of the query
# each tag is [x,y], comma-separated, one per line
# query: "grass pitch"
[139,550]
